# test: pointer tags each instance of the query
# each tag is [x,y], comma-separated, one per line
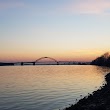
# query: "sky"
[67,30]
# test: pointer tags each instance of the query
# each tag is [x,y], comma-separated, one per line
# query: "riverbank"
[100,100]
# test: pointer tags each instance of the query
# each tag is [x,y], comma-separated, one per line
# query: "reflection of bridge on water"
[36,61]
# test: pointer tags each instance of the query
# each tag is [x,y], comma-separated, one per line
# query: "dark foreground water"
[47,87]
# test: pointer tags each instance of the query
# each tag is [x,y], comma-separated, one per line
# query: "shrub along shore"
[100,100]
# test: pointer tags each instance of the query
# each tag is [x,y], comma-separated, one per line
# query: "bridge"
[34,62]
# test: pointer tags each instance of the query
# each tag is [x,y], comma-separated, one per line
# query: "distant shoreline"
[6,64]
[33,63]
[100,100]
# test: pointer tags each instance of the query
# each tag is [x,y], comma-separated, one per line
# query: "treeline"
[103,60]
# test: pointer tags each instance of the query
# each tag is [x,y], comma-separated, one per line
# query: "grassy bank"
[100,100]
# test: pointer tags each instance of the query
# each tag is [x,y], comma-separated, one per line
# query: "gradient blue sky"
[63,29]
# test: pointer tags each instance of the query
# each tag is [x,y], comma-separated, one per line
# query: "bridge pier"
[22,64]
[33,63]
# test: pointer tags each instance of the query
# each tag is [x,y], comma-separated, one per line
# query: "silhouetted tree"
[108,62]
[104,60]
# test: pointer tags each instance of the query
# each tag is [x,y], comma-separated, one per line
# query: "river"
[47,87]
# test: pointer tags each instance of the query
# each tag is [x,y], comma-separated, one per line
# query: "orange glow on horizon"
[83,55]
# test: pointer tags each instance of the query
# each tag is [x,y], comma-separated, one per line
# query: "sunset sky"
[76,30]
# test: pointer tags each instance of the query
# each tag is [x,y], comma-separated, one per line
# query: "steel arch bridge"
[47,58]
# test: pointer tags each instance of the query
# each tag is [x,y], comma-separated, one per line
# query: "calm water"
[47,87]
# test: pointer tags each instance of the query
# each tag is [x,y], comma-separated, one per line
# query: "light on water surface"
[47,87]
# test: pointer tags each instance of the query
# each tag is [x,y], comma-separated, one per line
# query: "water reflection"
[47,87]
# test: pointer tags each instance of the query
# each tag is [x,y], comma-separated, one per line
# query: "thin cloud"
[9,5]
[88,7]
[98,7]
